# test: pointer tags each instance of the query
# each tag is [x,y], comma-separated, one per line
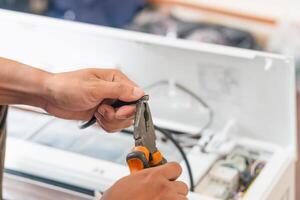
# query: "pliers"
[145,153]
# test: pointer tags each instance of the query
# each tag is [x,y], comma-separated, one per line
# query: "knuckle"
[152,176]
[118,75]
[156,173]
[117,72]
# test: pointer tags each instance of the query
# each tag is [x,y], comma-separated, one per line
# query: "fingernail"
[138,92]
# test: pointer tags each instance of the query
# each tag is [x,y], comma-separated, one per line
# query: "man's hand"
[81,94]
[74,95]
[158,183]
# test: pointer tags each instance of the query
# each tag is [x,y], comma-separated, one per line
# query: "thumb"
[119,90]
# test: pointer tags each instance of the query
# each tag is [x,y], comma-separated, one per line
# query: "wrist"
[31,90]
[41,91]
[21,84]
[50,87]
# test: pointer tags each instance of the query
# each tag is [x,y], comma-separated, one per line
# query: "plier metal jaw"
[145,153]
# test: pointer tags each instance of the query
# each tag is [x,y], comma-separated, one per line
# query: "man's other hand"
[157,183]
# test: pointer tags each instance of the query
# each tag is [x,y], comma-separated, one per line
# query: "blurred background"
[267,25]
[264,25]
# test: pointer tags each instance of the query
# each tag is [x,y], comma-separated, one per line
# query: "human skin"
[158,183]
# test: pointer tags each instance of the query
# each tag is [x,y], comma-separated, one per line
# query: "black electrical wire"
[168,135]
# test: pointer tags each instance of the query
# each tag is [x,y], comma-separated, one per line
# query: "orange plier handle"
[140,158]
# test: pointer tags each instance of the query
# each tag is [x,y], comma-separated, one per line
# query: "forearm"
[21,84]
